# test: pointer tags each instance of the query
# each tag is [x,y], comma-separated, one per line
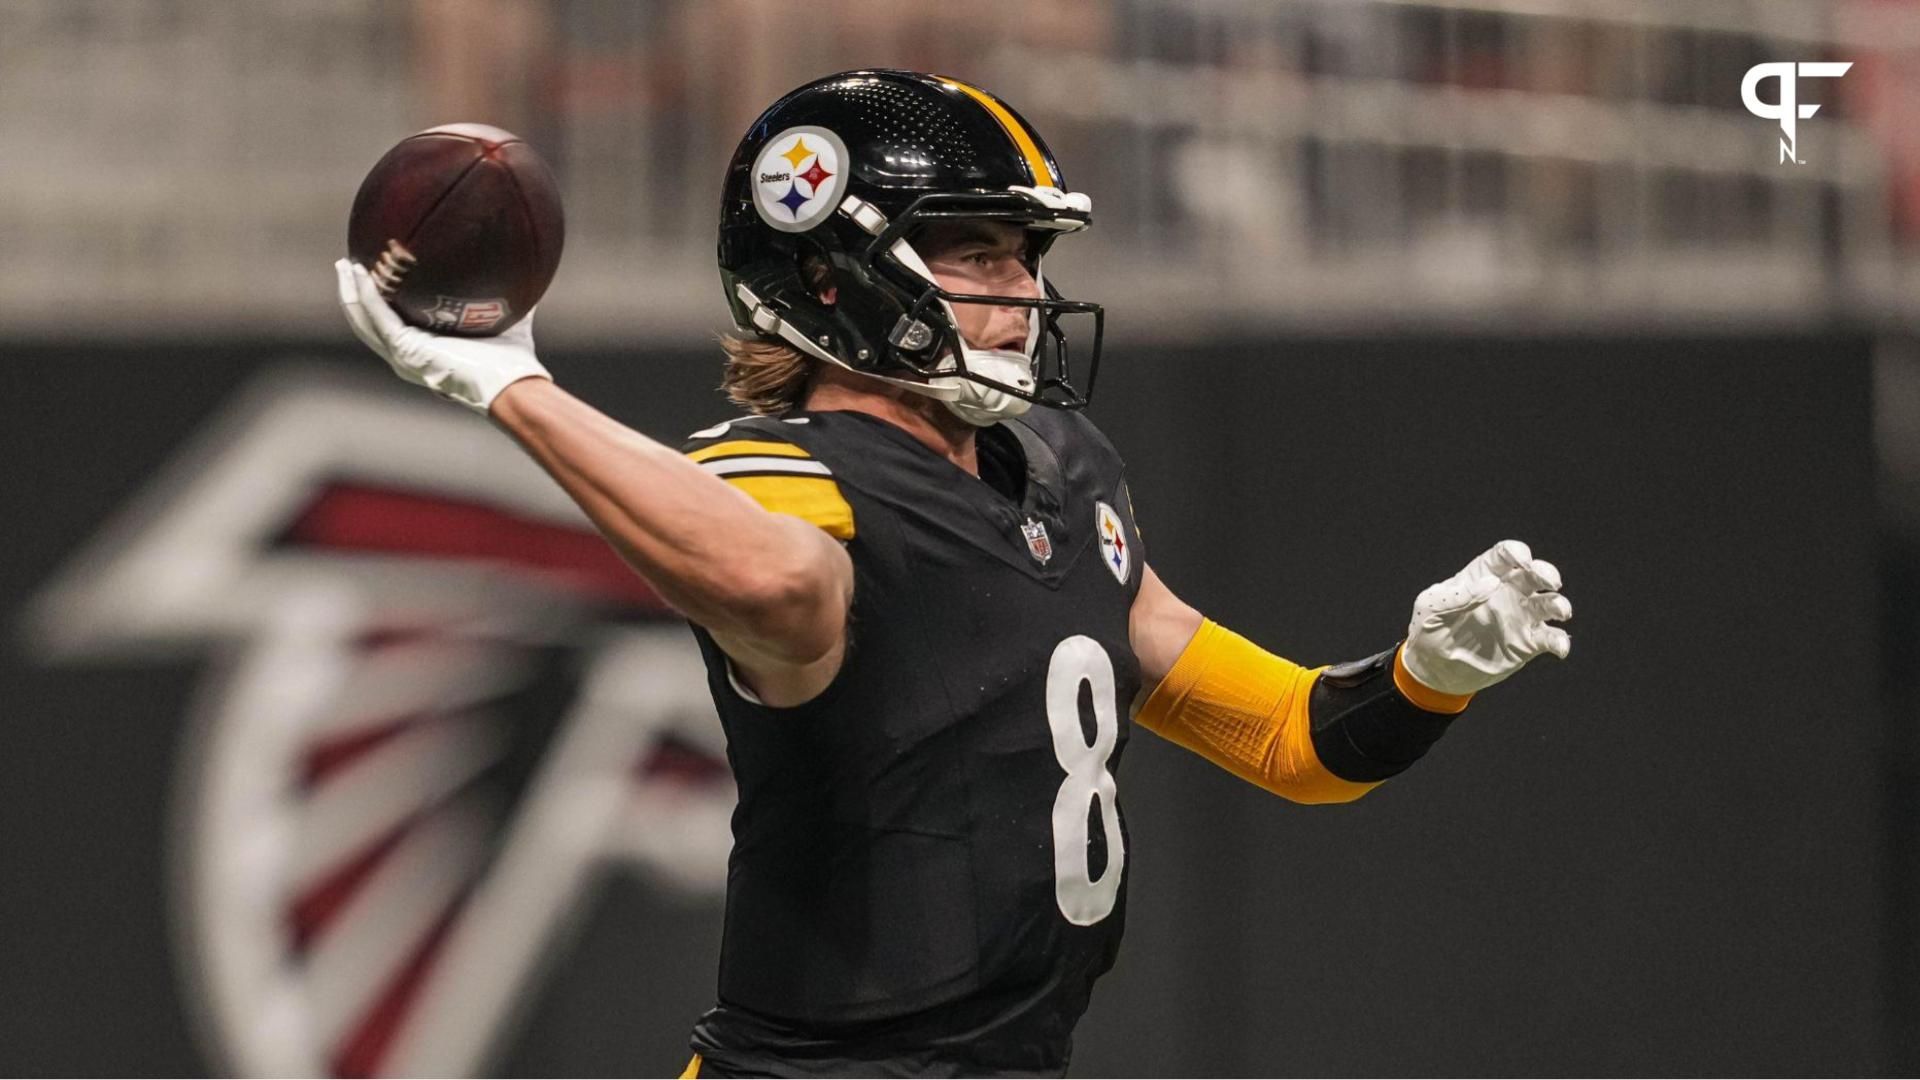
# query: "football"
[461,228]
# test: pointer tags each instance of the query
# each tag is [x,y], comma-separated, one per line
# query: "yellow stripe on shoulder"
[745,447]
[814,499]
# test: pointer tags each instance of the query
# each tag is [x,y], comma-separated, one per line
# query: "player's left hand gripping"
[469,370]
[1484,623]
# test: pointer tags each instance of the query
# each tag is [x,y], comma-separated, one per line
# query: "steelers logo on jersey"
[1115,552]
[799,177]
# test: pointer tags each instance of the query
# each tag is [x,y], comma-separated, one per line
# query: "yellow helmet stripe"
[1022,138]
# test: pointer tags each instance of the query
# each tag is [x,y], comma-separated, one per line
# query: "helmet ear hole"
[816,273]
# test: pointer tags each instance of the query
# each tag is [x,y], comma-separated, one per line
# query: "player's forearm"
[709,550]
[1313,735]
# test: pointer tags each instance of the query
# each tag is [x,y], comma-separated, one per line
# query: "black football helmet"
[827,190]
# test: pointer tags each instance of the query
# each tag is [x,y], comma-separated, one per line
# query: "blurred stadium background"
[340,746]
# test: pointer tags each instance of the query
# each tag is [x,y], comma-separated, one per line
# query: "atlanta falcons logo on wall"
[387,816]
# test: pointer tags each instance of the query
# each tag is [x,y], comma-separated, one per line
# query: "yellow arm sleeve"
[1245,710]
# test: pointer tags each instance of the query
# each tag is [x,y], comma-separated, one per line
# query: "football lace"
[392,267]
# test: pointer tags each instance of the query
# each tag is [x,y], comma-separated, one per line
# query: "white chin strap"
[970,400]
[974,402]
[979,404]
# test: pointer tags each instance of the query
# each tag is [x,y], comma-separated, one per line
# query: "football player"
[928,619]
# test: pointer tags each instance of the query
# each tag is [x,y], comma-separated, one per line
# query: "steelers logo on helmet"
[798,178]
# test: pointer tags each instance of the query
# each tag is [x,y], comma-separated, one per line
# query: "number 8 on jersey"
[1082,899]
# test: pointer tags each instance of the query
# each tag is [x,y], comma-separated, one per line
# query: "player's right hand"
[1484,623]
[469,370]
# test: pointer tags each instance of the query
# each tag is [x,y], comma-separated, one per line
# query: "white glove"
[1484,623]
[471,371]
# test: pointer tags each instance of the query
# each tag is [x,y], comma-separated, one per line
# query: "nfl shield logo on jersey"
[1038,545]
[1113,541]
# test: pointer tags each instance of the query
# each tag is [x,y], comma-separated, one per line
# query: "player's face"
[987,257]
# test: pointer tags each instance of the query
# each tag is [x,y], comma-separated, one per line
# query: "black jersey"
[929,866]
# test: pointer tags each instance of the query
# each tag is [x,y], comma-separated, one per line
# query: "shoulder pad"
[757,456]
[1069,433]
[746,427]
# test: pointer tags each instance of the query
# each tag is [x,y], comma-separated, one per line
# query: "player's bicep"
[790,661]
[1160,625]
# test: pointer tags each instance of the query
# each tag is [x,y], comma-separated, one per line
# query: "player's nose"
[1027,285]
[1023,285]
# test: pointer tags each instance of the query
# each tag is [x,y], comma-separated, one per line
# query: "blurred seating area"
[184,164]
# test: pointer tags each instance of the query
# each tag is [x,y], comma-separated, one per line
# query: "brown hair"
[764,374]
